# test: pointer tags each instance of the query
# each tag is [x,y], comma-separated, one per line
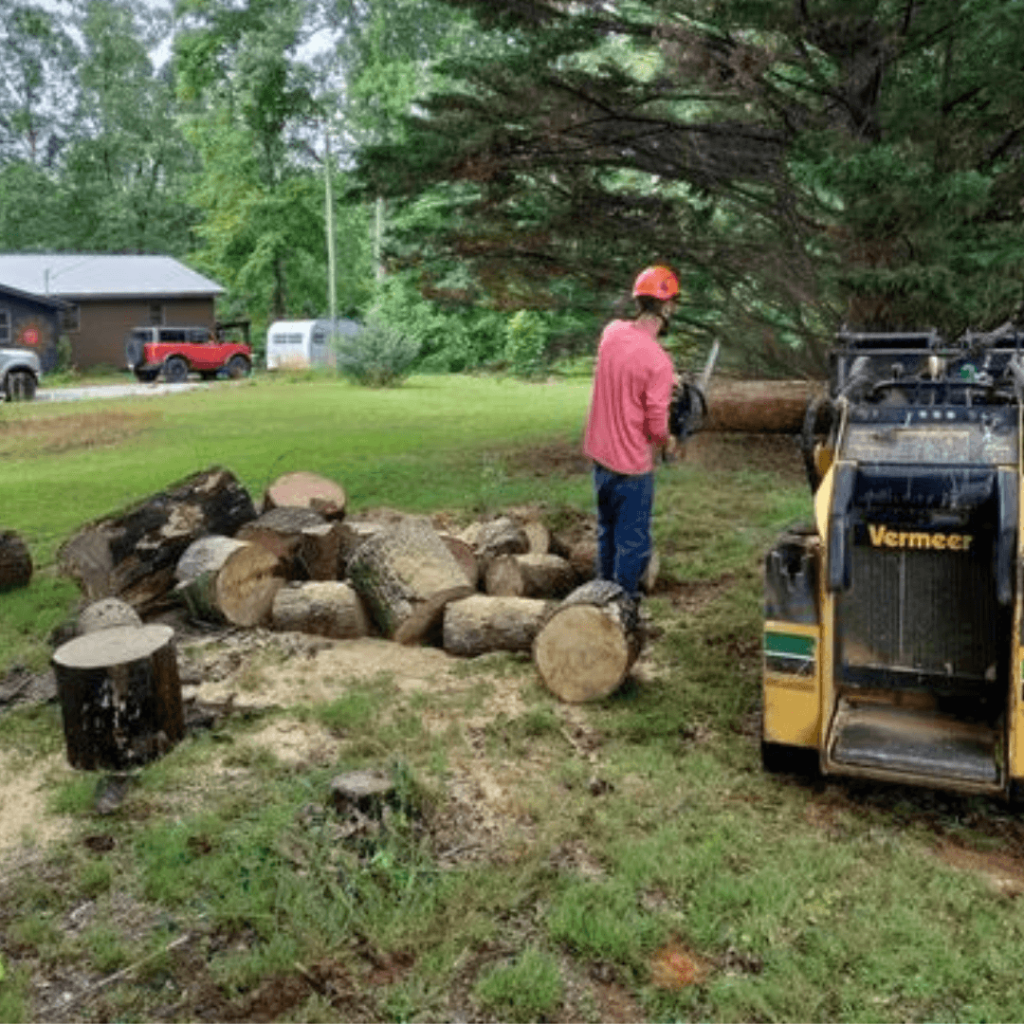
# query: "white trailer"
[299,344]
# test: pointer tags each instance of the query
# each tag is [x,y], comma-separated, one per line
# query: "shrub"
[525,345]
[381,355]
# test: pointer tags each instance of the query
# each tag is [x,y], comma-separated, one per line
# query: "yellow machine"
[892,634]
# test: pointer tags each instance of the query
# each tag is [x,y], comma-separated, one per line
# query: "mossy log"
[406,575]
[586,647]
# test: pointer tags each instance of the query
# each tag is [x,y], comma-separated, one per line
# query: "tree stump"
[15,561]
[307,545]
[407,575]
[323,608]
[222,579]
[132,554]
[480,624]
[529,575]
[585,649]
[120,696]
[307,490]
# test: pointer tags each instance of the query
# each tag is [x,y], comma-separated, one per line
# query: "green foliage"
[381,355]
[526,344]
[528,989]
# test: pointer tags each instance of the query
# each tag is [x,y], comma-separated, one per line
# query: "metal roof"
[93,276]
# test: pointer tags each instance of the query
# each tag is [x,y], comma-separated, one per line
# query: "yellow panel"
[790,714]
[1015,741]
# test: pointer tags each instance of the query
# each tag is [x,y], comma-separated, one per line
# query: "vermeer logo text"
[884,537]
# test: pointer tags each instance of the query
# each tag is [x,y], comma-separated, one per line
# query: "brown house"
[30,321]
[103,297]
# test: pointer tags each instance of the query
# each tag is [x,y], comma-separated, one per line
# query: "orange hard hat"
[657,281]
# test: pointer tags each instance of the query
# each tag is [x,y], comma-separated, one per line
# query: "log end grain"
[307,490]
[581,655]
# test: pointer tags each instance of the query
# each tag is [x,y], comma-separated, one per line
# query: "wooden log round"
[759,407]
[538,536]
[307,544]
[529,575]
[406,575]
[321,607]
[585,649]
[132,554]
[464,555]
[227,580]
[120,696]
[105,614]
[583,559]
[15,561]
[307,490]
[480,624]
[501,536]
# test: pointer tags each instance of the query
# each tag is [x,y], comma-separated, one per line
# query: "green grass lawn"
[639,864]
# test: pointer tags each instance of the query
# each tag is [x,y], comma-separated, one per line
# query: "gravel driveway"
[113,391]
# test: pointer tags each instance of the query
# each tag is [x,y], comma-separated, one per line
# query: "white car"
[20,373]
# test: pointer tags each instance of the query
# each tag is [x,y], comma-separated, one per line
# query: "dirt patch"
[47,435]
[1003,870]
[24,790]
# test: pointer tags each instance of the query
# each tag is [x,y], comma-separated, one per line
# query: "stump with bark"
[307,490]
[406,575]
[222,579]
[529,575]
[132,554]
[323,608]
[587,646]
[120,696]
[307,545]
[480,624]
[15,561]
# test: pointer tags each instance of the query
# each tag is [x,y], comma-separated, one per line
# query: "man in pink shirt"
[628,425]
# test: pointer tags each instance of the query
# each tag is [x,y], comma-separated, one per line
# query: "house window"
[69,320]
[156,314]
[5,326]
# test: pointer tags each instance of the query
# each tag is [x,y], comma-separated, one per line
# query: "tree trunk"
[132,554]
[15,561]
[306,543]
[120,696]
[759,407]
[529,576]
[407,575]
[307,490]
[322,608]
[589,643]
[479,624]
[228,580]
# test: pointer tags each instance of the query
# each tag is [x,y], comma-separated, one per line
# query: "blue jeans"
[624,506]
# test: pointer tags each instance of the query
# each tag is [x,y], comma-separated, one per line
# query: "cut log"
[323,608]
[502,536]
[307,545]
[306,490]
[529,575]
[464,555]
[538,536]
[132,554]
[583,559]
[759,407]
[585,649]
[105,614]
[222,579]
[120,696]
[15,561]
[406,575]
[480,624]
[351,534]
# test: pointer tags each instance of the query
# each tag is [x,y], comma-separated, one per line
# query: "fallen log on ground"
[587,646]
[221,579]
[132,553]
[120,696]
[480,624]
[15,561]
[406,575]
[320,607]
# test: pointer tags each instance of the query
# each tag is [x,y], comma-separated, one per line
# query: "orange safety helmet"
[657,281]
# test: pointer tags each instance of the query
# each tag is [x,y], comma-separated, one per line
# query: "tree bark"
[15,561]
[308,545]
[407,575]
[323,608]
[479,624]
[307,490]
[585,649]
[222,579]
[759,406]
[132,554]
[529,575]
[120,696]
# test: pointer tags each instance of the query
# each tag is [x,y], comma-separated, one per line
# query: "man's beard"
[666,322]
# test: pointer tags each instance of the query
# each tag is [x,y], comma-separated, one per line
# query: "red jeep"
[178,351]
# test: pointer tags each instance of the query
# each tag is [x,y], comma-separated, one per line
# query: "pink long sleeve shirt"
[629,404]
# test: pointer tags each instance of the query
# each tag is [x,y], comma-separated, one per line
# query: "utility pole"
[332,286]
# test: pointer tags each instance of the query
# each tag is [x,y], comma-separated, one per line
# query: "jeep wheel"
[20,386]
[175,370]
[146,376]
[238,367]
[134,351]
